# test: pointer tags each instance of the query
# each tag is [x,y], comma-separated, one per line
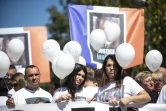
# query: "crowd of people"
[108,84]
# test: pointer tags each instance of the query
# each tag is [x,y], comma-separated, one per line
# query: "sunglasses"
[9,75]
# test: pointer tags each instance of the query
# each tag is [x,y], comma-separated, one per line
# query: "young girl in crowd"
[73,88]
[18,81]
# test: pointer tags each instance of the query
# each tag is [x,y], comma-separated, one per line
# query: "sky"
[22,13]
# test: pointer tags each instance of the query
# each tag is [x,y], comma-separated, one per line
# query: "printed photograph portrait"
[25,59]
[97,20]
[112,94]
[37,100]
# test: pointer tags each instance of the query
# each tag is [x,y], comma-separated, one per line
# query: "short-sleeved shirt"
[63,90]
[26,96]
[162,96]
[129,88]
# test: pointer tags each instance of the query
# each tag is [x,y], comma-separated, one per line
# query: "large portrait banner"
[84,19]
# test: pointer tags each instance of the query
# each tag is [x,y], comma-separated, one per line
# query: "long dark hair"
[70,82]
[119,76]
[3,87]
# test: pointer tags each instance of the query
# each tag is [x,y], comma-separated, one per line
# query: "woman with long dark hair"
[73,86]
[115,87]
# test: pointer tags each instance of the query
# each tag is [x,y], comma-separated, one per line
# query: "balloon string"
[122,86]
[61,85]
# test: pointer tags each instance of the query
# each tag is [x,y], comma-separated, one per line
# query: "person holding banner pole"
[117,89]
[73,87]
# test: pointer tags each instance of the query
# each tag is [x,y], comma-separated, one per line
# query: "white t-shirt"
[162,96]
[3,100]
[91,92]
[130,88]
[11,91]
[26,96]
[63,90]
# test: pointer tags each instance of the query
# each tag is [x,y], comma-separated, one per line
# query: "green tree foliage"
[155,23]
[59,26]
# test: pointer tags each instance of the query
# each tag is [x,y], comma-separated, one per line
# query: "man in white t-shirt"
[32,93]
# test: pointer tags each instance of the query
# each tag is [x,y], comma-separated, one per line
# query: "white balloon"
[153,60]
[16,48]
[63,65]
[51,49]
[21,70]
[54,65]
[82,61]
[61,52]
[124,54]
[112,31]
[73,48]
[4,64]
[97,39]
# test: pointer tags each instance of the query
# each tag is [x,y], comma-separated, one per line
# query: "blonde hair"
[141,76]
[158,75]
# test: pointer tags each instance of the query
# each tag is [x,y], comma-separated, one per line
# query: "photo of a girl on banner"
[16,38]
[99,21]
